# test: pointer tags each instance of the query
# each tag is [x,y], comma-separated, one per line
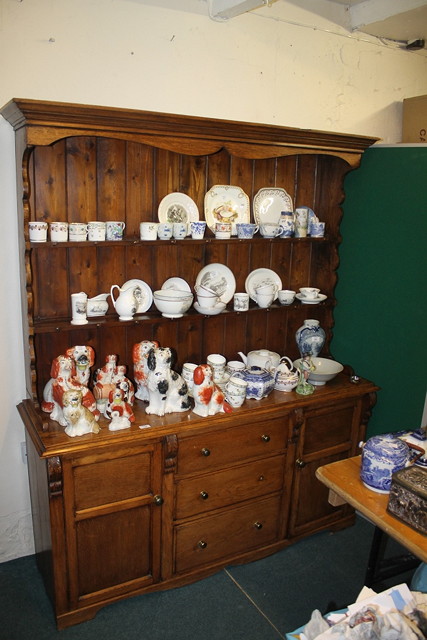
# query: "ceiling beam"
[226,9]
[370,11]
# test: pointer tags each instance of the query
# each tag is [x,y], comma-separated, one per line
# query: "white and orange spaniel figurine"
[208,397]
[140,353]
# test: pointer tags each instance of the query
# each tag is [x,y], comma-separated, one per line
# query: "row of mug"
[76,231]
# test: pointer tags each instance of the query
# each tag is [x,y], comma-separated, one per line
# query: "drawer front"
[216,449]
[224,535]
[229,486]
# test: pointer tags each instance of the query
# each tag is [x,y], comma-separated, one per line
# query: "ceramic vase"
[310,338]
[382,456]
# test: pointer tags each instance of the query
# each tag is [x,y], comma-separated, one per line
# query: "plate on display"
[269,204]
[179,284]
[220,279]
[146,298]
[178,207]
[226,204]
[259,277]
[305,300]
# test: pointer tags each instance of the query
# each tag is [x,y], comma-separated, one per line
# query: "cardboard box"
[415,119]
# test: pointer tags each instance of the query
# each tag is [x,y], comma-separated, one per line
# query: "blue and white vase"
[310,338]
[382,456]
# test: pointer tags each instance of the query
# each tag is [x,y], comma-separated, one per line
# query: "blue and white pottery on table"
[260,382]
[382,456]
[288,225]
[310,338]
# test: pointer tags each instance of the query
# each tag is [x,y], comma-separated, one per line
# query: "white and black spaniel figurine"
[208,397]
[167,390]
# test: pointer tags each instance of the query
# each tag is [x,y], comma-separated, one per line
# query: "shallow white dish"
[179,284]
[326,370]
[146,294]
[210,311]
[225,203]
[173,307]
[178,207]
[268,204]
[262,276]
[219,278]
[305,300]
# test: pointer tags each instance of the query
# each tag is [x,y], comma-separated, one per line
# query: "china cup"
[180,230]
[317,229]
[115,229]
[165,230]
[148,230]
[58,231]
[270,230]
[309,292]
[197,229]
[96,230]
[264,300]
[37,231]
[217,362]
[246,230]
[223,230]
[77,231]
[286,296]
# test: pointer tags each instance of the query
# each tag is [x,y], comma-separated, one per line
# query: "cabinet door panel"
[221,536]
[328,427]
[223,488]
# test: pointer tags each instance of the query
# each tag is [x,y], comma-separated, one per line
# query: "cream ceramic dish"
[326,370]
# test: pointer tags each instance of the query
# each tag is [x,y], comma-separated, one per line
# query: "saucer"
[305,300]
[210,311]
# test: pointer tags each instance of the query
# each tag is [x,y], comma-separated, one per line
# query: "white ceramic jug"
[126,304]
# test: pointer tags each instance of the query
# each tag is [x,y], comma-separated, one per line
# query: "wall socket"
[24,452]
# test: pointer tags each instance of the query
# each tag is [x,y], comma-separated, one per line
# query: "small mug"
[180,230]
[234,367]
[96,231]
[58,231]
[223,230]
[217,362]
[301,222]
[79,308]
[286,296]
[235,391]
[270,230]
[188,373]
[148,230]
[241,301]
[165,231]
[246,230]
[115,229]
[37,231]
[317,229]
[198,229]
[77,231]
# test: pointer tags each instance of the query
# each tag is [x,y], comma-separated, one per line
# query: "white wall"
[279,65]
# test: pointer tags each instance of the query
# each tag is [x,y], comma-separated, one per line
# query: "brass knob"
[202,544]
[258,525]
[204,495]
[300,463]
[261,478]
[265,438]
[205,452]
[158,500]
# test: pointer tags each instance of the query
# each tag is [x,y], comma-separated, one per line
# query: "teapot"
[262,358]
[260,382]
[285,379]
[382,456]
[126,303]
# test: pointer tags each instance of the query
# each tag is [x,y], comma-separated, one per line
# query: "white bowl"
[326,370]
[172,294]
[173,307]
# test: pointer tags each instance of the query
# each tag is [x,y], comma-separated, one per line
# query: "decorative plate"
[305,300]
[146,294]
[269,204]
[179,284]
[220,279]
[226,204]
[210,311]
[259,277]
[178,207]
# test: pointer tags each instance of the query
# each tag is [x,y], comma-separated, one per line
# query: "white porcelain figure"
[209,399]
[79,420]
[167,390]
[140,353]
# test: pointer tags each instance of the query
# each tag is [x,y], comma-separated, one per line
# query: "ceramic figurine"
[208,397]
[104,382]
[119,411]
[78,419]
[167,390]
[63,378]
[306,366]
[140,353]
[123,383]
[84,357]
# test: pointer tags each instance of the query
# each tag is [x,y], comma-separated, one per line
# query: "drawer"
[105,481]
[222,536]
[217,449]
[229,486]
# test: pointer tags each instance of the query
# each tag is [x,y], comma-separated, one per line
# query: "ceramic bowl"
[326,370]
[173,304]
[97,306]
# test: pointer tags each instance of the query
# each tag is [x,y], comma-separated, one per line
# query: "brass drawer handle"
[258,525]
[265,438]
[261,478]
[204,495]
[300,463]
[158,500]
[205,452]
[202,544]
